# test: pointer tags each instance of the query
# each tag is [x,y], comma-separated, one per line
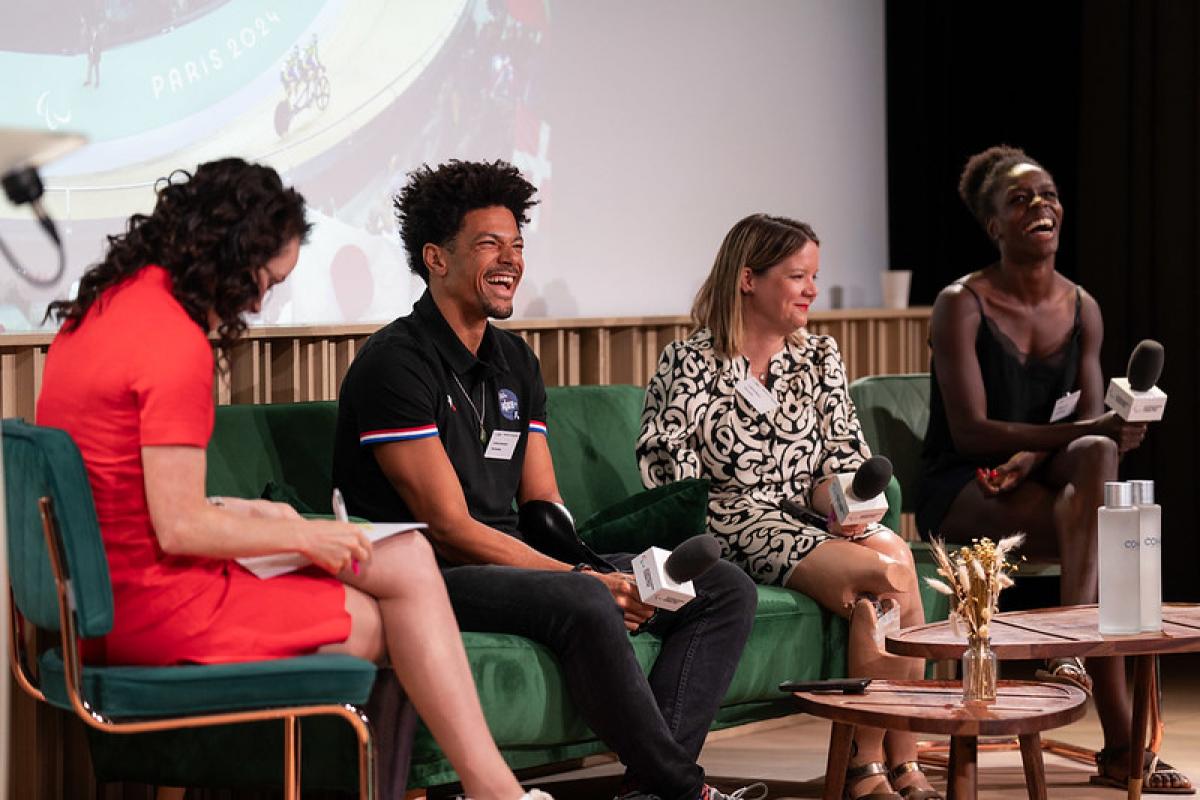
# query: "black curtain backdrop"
[1106,95]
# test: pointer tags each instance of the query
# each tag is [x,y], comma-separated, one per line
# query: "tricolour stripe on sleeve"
[398,434]
[537,426]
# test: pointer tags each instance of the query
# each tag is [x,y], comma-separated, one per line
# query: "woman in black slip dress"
[1018,439]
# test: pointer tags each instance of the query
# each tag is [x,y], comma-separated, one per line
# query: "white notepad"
[281,563]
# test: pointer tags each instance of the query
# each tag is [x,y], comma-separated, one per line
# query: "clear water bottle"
[1149,554]
[1120,568]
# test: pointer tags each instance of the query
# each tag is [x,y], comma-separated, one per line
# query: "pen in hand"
[339,513]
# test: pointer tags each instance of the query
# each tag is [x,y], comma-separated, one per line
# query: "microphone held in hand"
[857,498]
[664,580]
[1135,397]
[1145,365]
[693,558]
[549,528]
[871,478]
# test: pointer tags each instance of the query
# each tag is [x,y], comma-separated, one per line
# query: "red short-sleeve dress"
[139,372]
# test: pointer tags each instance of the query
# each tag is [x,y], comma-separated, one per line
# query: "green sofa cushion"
[663,517]
[893,411]
[286,493]
[288,443]
[118,691]
[592,433]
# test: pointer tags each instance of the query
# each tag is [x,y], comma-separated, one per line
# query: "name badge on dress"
[1065,406]
[502,444]
[757,395]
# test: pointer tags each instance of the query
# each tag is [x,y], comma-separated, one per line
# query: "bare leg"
[901,746]
[1059,518]
[834,574]
[399,601]
[1082,469]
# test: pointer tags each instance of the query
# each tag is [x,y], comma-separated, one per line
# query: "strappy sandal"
[1068,671]
[912,792]
[1112,761]
[862,772]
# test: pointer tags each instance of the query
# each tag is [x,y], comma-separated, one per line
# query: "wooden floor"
[789,755]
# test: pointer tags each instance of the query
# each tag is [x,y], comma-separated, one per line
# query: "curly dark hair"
[211,231]
[977,184]
[431,206]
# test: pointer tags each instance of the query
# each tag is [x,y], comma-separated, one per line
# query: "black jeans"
[655,724]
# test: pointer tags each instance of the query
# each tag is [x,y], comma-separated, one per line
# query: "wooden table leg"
[1035,771]
[841,736]
[960,784]
[1143,669]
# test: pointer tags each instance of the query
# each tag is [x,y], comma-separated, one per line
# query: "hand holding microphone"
[664,579]
[857,498]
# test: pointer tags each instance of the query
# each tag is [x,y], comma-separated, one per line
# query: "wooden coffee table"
[1070,631]
[1023,709]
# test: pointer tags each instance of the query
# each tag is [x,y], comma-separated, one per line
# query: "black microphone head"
[548,528]
[1145,365]
[692,558]
[871,478]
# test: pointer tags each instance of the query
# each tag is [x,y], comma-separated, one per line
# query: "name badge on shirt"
[757,395]
[502,444]
[1065,406]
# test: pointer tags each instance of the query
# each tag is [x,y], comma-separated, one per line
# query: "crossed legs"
[837,574]
[1057,513]
[399,608]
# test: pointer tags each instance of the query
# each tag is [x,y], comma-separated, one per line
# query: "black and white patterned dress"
[697,425]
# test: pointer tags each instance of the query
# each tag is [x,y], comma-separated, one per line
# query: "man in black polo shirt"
[442,419]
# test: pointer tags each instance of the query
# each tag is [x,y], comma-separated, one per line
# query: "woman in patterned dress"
[758,406]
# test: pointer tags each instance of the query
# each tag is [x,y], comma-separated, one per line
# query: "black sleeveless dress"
[1019,388]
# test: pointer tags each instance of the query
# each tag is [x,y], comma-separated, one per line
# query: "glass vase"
[979,670]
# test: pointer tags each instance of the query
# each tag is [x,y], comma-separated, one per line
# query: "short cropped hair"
[759,241]
[431,206]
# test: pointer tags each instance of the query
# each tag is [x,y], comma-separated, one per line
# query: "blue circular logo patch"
[509,408]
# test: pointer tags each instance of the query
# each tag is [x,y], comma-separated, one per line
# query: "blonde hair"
[758,242]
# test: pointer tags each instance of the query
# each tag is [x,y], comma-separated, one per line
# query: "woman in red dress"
[130,378]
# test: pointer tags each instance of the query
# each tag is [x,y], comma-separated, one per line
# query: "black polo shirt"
[415,379]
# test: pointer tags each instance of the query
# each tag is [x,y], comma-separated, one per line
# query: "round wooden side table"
[1021,709]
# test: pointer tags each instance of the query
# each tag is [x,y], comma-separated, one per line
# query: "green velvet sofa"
[284,451]
[592,433]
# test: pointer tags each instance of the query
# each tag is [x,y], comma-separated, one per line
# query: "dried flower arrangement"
[974,577]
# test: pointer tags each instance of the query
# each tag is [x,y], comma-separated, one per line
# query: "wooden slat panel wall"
[286,364]
[291,364]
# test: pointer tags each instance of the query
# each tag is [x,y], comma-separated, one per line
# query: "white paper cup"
[895,283]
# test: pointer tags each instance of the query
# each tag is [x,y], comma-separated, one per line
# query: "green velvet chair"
[60,582]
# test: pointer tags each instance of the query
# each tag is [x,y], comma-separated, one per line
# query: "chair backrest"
[894,413]
[44,462]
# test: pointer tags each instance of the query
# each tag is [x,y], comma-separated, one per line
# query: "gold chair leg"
[291,758]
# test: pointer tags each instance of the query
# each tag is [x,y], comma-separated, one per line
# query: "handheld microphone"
[857,498]
[1135,398]
[549,528]
[664,579]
